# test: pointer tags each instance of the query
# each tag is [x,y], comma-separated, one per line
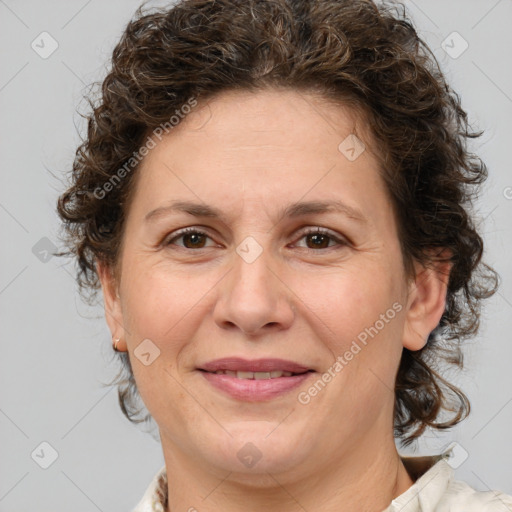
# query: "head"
[246,109]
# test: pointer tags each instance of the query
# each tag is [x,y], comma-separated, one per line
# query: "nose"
[254,298]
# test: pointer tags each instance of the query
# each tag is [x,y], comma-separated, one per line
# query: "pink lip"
[254,390]
[255,365]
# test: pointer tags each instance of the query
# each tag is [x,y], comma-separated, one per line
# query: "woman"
[274,197]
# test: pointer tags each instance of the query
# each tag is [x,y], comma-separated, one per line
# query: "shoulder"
[460,497]
[436,490]
[155,497]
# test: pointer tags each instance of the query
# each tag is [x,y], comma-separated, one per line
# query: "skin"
[250,155]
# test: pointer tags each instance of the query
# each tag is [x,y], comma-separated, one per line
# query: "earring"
[115,342]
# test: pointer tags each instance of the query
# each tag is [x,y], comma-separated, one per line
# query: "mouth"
[276,374]
[254,380]
[242,366]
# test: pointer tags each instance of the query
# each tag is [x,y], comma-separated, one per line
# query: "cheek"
[157,300]
[363,311]
[164,307]
[348,301]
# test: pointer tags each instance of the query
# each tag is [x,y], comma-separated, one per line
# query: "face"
[265,279]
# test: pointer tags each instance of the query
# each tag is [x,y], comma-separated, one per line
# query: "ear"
[426,302]
[112,302]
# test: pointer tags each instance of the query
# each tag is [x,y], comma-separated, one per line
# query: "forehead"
[267,147]
[287,114]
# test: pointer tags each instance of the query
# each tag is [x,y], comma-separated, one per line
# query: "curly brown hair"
[349,51]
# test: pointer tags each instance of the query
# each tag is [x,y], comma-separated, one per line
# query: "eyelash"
[310,231]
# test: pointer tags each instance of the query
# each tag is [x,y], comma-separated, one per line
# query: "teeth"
[261,375]
[255,375]
[245,375]
[226,372]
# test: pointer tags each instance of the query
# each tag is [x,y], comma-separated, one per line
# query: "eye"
[316,238]
[193,238]
[320,238]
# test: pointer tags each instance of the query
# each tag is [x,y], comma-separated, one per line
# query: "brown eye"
[321,239]
[192,239]
[318,241]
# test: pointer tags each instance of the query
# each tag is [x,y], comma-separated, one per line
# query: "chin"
[259,448]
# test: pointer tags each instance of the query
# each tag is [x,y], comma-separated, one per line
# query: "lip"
[254,365]
[254,390]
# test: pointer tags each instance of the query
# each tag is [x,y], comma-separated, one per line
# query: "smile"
[254,380]
[255,375]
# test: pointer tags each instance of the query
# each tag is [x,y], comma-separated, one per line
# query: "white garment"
[434,490]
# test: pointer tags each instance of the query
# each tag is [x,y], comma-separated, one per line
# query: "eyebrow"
[293,210]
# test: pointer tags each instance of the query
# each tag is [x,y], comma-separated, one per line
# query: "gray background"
[56,351]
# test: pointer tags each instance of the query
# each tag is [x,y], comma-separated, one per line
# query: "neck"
[366,482]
